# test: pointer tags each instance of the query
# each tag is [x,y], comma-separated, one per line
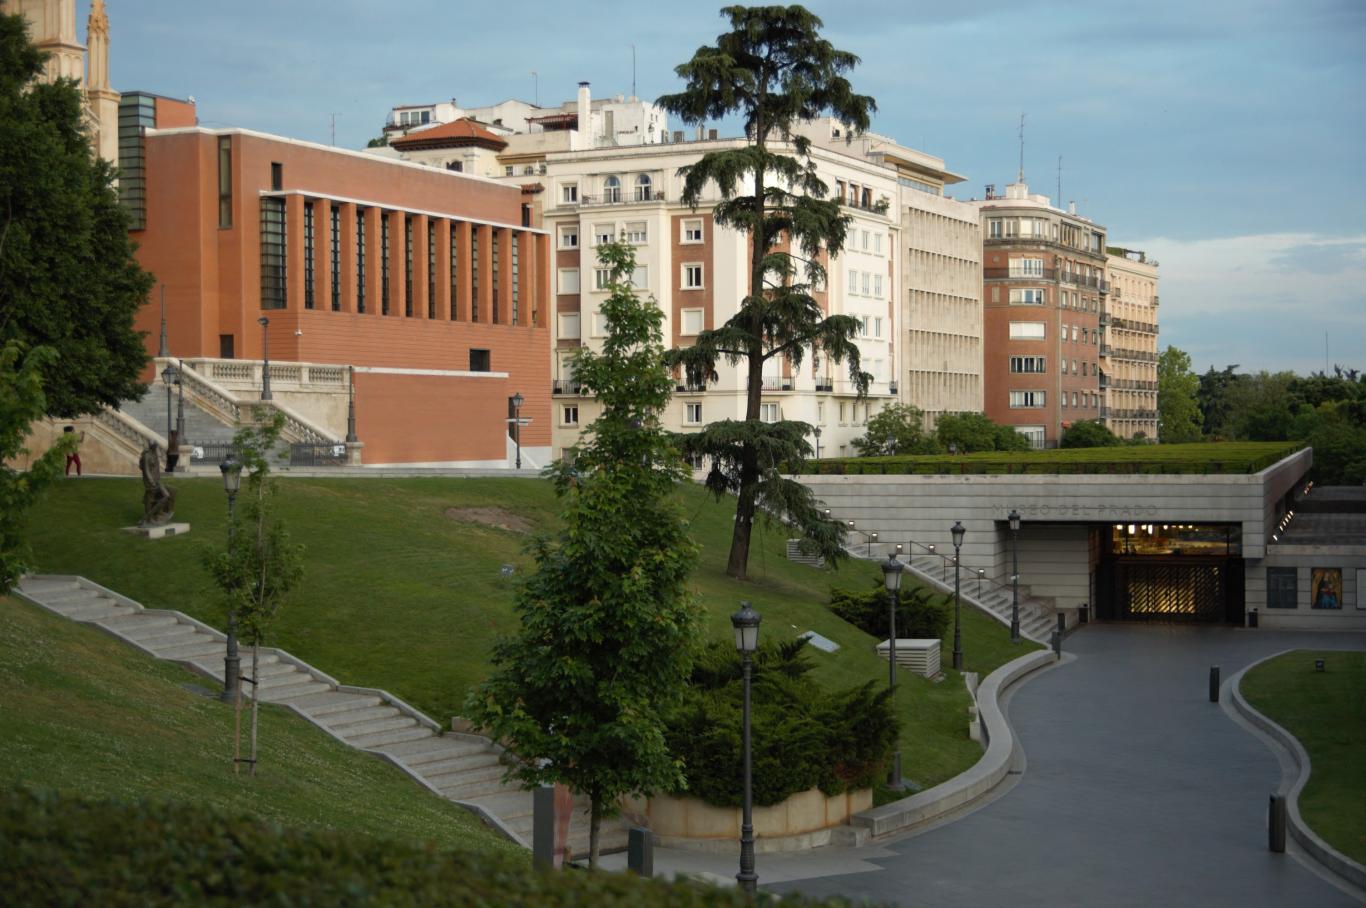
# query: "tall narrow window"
[383,263]
[516,278]
[272,253]
[455,272]
[225,181]
[408,266]
[336,258]
[277,176]
[360,260]
[308,255]
[474,273]
[431,269]
[495,241]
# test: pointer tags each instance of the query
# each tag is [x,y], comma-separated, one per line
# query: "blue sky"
[1226,138]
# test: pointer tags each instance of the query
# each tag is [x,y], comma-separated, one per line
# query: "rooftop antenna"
[633,70]
[535,88]
[334,127]
[1020,179]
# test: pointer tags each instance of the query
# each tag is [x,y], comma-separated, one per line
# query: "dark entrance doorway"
[1169,574]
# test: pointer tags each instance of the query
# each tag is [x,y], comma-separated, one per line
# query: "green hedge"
[56,850]
[919,615]
[803,736]
[1204,458]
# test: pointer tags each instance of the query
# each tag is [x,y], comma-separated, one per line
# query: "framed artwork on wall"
[1325,588]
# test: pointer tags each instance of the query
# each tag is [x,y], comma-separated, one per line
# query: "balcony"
[1104,318]
[777,383]
[566,386]
[598,201]
[1104,380]
[690,388]
[1104,286]
[1015,274]
[825,384]
[1105,350]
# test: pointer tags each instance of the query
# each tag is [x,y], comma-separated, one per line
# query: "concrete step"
[373,727]
[38,587]
[345,718]
[264,669]
[64,599]
[157,635]
[320,705]
[393,736]
[475,768]
[292,692]
[442,764]
[283,679]
[105,608]
[451,749]
[507,806]
[407,751]
[490,781]
[139,623]
[202,645]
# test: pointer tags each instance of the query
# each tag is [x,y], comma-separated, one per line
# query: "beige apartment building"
[1128,320]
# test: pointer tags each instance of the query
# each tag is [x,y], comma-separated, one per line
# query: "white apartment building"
[698,273]
[1128,380]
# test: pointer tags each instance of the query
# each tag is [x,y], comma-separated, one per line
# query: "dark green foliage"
[68,279]
[21,402]
[897,429]
[921,615]
[970,432]
[1088,433]
[803,736]
[774,71]
[608,626]
[63,851]
[1177,411]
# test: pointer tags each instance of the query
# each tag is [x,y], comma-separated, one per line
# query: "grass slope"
[1201,457]
[398,595]
[1327,713]
[90,716]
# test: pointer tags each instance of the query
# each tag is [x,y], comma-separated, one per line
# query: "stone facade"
[1128,353]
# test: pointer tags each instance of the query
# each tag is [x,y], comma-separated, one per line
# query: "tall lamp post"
[169,378]
[180,405]
[351,436]
[265,354]
[817,433]
[232,663]
[891,576]
[746,625]
[1014,518]
[958,531]
[517,401]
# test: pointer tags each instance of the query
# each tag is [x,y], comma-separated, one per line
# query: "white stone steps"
[342,719]
[156,635]
[508,806]
[491,768]
[43,587]
[138,624]
[333,701]
[432,769]
[96,613]
[283,679]
[371,727]
[451,749]
[68,598]
[408,750]
[473,788]
[287,693]
[394,736]
[202,645]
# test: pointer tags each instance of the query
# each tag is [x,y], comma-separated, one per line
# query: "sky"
[1227,139]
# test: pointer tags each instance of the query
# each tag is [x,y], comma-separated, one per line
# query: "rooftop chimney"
[585,116]
[1071,207]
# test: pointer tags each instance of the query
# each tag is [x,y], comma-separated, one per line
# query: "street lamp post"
[169,378]
[517,401]
[265,355]
[351,436]
[1014,518]
[817,433]
[872,538]
[180,405]
[891,576]
[232,663]
[746,625]
[163,350]
[958,531]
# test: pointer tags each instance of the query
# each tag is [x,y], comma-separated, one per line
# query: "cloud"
[1266,301]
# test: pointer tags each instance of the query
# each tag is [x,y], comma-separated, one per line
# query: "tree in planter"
[260,566]
[608,628]
[775,71]
[897,429]
[21,402]
[68,279]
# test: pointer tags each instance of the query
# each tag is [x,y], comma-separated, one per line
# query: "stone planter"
[805,820]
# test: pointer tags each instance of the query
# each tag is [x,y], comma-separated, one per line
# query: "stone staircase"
[200,425]
[795,554]
[467,769]
[1037,621]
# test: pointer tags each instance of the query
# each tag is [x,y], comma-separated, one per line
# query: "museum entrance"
[1170,573]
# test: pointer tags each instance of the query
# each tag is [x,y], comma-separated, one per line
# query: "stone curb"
[982,777]
[412,712]
[1326,855]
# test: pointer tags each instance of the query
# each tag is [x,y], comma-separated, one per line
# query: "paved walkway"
[1136,791]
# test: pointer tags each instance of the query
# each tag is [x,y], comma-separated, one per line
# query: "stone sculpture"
[158,500]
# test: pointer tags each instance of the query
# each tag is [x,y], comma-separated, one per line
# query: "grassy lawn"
[401,596]
[89,716]
[1327,713]
[1214,457]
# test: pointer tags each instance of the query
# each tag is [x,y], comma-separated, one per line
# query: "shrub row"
[56,850]
[803,736]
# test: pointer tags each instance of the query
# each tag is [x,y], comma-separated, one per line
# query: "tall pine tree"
[774,70]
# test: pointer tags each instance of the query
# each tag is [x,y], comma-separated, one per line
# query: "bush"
[803,737]
[59,850]
[1089,433]
[919,615]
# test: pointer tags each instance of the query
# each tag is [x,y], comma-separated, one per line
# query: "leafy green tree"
[897,429]
[21,402]
[260,565]
[1177,412]
[969,432]
[68,279]
[1216,399]
[1088,433]
[608,627]
[773,70]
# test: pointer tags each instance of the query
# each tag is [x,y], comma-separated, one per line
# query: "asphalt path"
[1135,790]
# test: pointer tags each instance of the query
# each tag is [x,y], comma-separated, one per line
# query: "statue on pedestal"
[158,500]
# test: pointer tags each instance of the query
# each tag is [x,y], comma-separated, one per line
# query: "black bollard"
[1275,824]
[1062,623]
[1252,618]
[1214,684]
[543,826]
[640,851]
[1057,644]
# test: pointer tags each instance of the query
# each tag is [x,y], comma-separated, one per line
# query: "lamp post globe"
[265,357]
[232,662]
[891,578]
[958,532]
[1014,518]
[169,378]
[746,626]
[517,401]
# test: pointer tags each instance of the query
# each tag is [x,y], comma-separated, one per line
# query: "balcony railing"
[1018,274]
[776,383]
[566,386]
[625,198]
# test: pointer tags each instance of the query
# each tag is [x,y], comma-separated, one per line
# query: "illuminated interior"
[1175,539]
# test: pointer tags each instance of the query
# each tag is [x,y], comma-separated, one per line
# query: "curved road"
[1137,791]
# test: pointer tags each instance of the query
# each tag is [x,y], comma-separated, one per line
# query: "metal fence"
[323,455]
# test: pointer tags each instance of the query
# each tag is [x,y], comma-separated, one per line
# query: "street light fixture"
[232,662]
[891,576]
[180,406]
[1014,518]
[817,433]
[170,377]
[746,625]
[265,355]
[351,436]
[872,538]
[958,532]
[517,401]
